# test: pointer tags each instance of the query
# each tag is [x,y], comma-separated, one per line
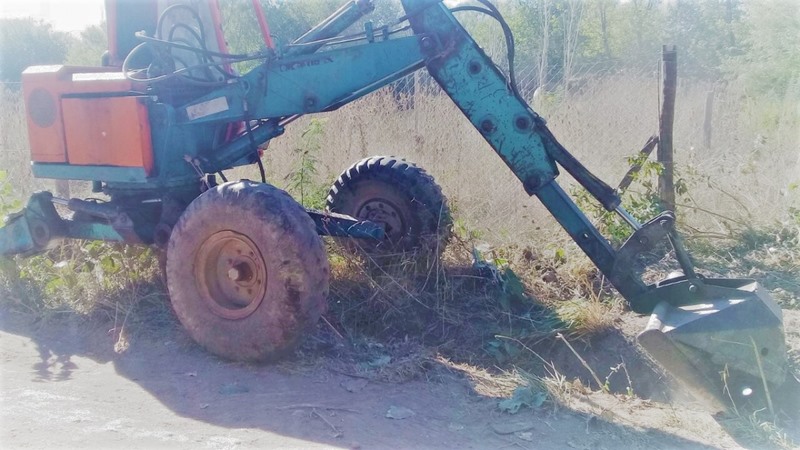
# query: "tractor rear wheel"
[400,196]
[246,271]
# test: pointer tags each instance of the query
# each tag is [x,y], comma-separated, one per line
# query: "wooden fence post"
[666,182]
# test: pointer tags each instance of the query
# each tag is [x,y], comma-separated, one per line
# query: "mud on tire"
[246,271]
[402,197]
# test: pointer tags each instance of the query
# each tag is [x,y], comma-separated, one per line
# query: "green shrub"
[76,275]
[642,202]
[303,180]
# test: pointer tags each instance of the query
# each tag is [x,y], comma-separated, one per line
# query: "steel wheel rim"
[384,212]
[231,275]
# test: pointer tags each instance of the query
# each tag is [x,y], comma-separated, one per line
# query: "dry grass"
[486,383]
[14,143]
[602,123]
[759,432]
[608,120]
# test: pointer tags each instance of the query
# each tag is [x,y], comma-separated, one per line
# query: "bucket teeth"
[709,343]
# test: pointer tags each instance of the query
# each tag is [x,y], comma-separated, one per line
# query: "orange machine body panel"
[107,131]
[85,116]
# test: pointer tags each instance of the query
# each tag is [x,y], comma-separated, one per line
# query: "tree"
[88,48]
[704,33]
[28,42]
[770,63]
[288,20]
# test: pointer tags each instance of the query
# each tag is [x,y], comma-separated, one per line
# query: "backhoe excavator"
[155,127]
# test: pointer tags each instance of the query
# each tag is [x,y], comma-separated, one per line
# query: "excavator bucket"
[724,341]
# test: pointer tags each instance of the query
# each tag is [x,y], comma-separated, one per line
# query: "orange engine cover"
[85,116]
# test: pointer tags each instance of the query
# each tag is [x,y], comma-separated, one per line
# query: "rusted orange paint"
[94,130]
[111,131]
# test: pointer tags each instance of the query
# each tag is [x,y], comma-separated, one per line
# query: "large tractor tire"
[246,271]
[400,196]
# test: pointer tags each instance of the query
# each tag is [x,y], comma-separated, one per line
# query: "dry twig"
[583,361]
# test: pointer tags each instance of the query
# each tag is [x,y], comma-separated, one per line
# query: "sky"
[64,15]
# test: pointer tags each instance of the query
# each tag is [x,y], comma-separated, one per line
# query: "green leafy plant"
[84,275]
[461,229]
[642,202]
[8,204]
[499,266]
[8,201]
[78,276]
[303,180]
[502,350]
[523,396]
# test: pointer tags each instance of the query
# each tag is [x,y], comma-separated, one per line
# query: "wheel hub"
[231,274]
[383,212]
[241,272]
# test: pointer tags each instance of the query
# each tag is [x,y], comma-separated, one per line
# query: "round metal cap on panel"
[42,108]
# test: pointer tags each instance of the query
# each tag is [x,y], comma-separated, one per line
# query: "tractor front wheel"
[246,271]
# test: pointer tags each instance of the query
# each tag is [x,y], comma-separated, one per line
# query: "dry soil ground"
[64,386]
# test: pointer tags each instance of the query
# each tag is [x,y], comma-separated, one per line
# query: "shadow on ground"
[302,399]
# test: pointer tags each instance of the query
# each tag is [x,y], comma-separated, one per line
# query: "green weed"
[642,202]
[84,276]
[9,203]
[302,179]
[78,276]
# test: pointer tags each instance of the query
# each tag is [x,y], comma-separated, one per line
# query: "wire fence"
[599,107]
[724,138]
[604,112]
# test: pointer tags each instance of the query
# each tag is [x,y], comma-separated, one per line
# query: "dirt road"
[63,386]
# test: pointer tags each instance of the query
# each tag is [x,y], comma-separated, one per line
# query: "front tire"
[246,271]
